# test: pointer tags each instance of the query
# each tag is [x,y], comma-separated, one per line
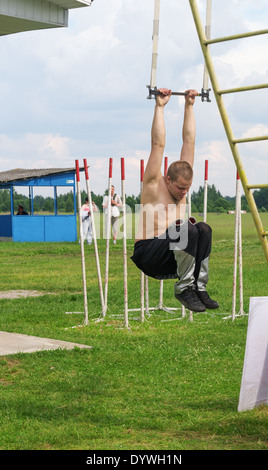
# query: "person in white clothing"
[115,212]
[86,221]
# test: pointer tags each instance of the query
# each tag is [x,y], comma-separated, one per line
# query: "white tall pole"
[108,230]
[161,287]
[81,241]
[208,34]
[183,310]
[124,240]
[94,236]
[205,191]
[241,311]
[237,210]
[155,43]
[142,274]
[237,253]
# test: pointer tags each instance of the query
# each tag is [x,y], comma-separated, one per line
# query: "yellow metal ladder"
[205,42]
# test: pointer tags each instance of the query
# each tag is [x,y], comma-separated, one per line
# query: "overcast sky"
[80,92]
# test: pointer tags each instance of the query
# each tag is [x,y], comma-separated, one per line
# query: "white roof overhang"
[27,15]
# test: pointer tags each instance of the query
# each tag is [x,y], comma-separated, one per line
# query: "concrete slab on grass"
[13,343]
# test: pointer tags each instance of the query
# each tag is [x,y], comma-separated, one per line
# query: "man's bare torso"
[158,210]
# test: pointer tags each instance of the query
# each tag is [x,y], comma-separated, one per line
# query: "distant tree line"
[215,201]
[41,204]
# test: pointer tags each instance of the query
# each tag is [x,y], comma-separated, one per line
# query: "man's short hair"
[180,168]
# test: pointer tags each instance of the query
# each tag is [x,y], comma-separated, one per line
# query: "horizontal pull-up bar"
[244,88]
[257,186]
[204,93]
[250,139]
[236,36]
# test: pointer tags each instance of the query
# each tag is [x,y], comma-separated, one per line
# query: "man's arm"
[158,138]
[188,129]
[117,201]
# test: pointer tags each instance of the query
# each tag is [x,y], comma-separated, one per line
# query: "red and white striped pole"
[142,274]
[146,287]
[166,166]
[124,240]
[161,286]
[237,250]
[241,311]
[205,191]
[144,278]
[81,241]
[108,230]
[94,236]
[189,201]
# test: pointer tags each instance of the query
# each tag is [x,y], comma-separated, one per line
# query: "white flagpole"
[241,311]
[142,274]
[155,43]
[108,230]
[240,262]
[237,209]
[205,191]
[208,34]
[81,241]
[124,241]
[94,236]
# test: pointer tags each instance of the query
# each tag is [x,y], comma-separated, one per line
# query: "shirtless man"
[167,246]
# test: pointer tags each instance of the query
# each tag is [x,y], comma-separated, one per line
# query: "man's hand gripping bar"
[153,92]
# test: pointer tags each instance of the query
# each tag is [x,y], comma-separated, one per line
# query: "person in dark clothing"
[21,211]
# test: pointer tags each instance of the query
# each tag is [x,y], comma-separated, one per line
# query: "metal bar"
[204,93]
[250,139]
[257,186]
[227,125]
[234,37]
[245,88]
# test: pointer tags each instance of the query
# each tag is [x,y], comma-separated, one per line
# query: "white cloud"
[33,150]
[81,91]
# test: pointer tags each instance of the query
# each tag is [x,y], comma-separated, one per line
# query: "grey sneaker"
[190,300]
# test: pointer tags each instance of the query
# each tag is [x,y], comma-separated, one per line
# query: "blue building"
[37,227]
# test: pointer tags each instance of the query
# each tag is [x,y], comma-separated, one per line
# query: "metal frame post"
[205,42]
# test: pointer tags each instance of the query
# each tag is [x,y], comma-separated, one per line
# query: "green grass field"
[160,385]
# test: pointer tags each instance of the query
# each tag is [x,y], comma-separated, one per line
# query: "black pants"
[157,257]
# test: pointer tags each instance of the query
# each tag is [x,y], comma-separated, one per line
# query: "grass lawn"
[160,385]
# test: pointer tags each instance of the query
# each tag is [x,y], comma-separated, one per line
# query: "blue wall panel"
[5,226]
[44,228]
[60,228]
[28,229]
